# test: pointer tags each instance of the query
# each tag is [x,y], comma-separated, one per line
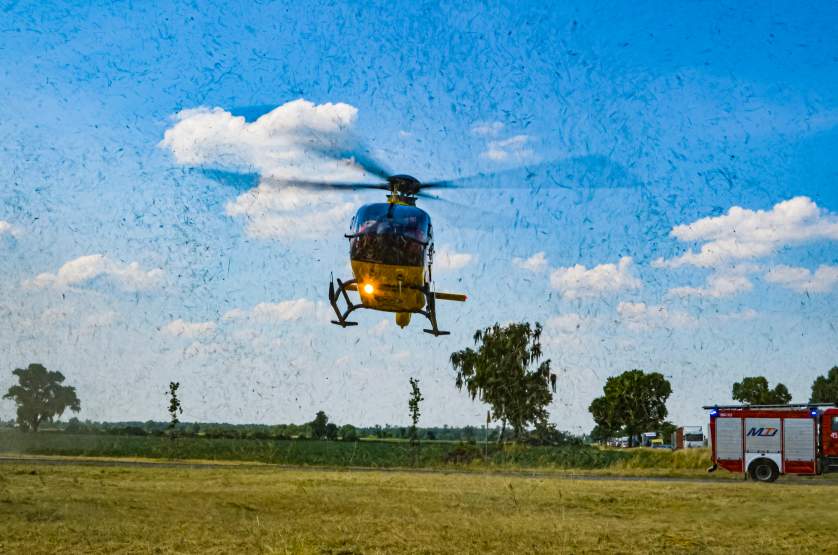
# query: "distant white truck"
[688,437]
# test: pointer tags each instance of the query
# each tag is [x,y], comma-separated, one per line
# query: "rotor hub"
[404,184]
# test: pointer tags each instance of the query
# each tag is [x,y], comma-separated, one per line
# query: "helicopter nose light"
[368,288]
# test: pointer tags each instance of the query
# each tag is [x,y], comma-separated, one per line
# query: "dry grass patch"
[48,509]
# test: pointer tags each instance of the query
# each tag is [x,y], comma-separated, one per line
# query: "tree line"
[505,369]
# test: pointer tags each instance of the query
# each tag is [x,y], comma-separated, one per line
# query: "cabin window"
[390,234]
[834,424]
[393,219]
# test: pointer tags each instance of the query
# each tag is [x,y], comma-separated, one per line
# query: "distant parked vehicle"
[688,437]
[764,441]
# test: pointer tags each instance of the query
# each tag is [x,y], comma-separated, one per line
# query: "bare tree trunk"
[502,430]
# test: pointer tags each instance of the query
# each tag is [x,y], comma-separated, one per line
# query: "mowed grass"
[381,454]
[77,509]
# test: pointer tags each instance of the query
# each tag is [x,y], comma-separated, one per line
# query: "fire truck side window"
[834,424]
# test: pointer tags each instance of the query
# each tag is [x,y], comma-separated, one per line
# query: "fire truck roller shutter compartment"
[729,439]
[799,444]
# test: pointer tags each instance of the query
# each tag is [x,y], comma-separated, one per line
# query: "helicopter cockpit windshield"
[386,233]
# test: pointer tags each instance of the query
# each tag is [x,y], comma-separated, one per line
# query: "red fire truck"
[764,441]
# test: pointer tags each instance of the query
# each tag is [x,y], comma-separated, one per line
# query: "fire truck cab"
[765,441]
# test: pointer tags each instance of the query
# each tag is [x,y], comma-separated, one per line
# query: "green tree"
[754,391]
[605,416]
[40,397]
[825,388]
[318,425]
[331,431]
[348,433]
[174,408]
[634,402]
[413,406]
[505,372]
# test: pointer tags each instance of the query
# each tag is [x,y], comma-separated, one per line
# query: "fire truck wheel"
[763,470]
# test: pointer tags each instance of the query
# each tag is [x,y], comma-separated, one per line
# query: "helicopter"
[391,252]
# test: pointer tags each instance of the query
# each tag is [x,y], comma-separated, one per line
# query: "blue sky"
[655,132]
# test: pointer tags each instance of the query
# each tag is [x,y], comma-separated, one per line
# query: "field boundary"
[534,474]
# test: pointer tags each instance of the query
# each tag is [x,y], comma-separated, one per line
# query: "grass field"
[386,454]
[77,509]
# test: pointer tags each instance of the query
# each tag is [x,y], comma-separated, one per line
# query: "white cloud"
[487,128]
[803,280]
[180,328]
[565,323]
[743,234]
[722,284]
[742,315]
[129,277]
[535,263]
[234,314]
[295,309]
[515,147]
[446,258]
[8,229]
[272,211]
[296,141]
[100,319]
[285,143]
[578,281]
[382,327]
[640,316]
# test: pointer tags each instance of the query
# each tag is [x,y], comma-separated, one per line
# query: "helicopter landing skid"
[336,293]
[350,306]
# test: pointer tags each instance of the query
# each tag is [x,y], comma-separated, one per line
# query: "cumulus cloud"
[487,128]
[270,211]
[640,316]
[565,323]
[578,281]
[383,327]
[803,280]
[446,258]
[297,141]
[513,148]
[288,142]
[741,315]
[722,284]
[743,234]
[535,263]
[180,328]
[283,311]
[129,277]
[7,229]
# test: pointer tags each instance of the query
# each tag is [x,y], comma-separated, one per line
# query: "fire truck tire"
[763,470]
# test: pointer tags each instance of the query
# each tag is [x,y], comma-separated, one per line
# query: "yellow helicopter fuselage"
[390,287]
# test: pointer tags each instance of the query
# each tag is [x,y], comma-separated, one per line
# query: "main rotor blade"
[583,172]
[326,185]
[356,150]
[473,217]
